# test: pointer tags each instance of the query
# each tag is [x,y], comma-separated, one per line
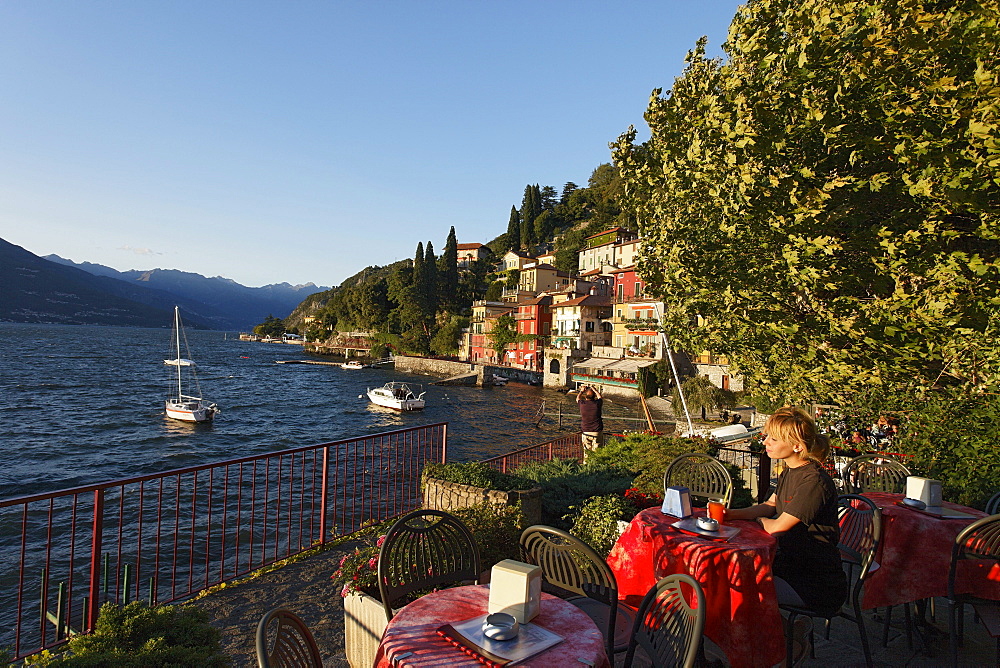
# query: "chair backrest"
[423,550]
[860,533]
[993,505]
[284,641]
[705,476]
[570,565]
[875,473]
[979,541]
[667,627]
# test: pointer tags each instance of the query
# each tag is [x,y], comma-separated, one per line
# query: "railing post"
[324,496]
[763,476]
[95,560]
[444,443]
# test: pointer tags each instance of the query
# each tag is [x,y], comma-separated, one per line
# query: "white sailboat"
[180,406]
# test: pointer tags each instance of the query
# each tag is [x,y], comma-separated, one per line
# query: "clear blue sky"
[302,141]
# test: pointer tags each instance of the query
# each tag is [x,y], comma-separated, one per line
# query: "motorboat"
[398,396]
[353,364]
[499,380]
[181,406]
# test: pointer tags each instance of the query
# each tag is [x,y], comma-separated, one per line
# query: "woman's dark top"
[808,558]
[590,415]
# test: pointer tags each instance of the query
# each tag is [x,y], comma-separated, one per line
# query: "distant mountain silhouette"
[35,289]
[221,301]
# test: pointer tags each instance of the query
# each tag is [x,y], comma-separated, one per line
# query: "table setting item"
[701,527]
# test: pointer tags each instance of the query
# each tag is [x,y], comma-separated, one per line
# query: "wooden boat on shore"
[180,406]
[398,396]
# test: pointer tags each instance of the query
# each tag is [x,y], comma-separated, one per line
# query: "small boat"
[499,380]
[398,396]
[353,364]
[180,406]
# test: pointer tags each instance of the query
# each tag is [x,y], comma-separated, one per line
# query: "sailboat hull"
[190,411]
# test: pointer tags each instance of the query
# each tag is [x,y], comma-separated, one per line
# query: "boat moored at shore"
[398,396]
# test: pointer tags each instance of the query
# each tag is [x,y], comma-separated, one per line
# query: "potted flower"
[356,580]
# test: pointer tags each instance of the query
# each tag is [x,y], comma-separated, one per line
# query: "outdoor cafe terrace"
[263,510]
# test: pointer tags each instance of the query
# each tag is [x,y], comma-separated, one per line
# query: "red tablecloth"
[742,610]
[915,555]
[413,629]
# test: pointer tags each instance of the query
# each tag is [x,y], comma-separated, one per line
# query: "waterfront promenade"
[305,588]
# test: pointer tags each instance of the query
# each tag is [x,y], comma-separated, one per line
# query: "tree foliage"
[827,198]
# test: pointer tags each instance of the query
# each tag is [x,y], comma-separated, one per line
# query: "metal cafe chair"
[705,476]
[875,473]
[979,542]
[667,628]
[284,641]
[860,533]
[425,549]
[576,570]
[993,505]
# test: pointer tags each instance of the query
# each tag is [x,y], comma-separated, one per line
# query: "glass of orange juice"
[717,511]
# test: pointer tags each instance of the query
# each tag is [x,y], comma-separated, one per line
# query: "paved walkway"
[305,588]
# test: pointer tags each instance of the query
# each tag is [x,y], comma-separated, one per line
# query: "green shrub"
[496,528]
[596,522]
[953,437]
[475,474]
[567,482]
[136,636]
[618,453]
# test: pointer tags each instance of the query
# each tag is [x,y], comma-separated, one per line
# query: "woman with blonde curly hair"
[801,514]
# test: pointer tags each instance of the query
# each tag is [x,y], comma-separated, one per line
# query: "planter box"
[443,495]
[364,624]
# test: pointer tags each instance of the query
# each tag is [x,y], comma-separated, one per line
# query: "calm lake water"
[84,404]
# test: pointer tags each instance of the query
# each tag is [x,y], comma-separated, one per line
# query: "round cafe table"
[915,555]
[411,638]
[742,615]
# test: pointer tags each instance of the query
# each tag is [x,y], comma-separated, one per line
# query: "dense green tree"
[445,340]
[567,190]
[514,230]
[271,326]
[545,225]
[531,206]
[429,286]
[503,333]
[547,198]
[448,274]
[494,292]
[828,197]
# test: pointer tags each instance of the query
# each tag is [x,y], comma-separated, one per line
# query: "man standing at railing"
[591,422]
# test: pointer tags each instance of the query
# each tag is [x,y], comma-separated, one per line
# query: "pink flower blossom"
[381,539]
[345,591]
[373,563]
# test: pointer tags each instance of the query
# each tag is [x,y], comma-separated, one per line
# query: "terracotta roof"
[586,300]
[473,246]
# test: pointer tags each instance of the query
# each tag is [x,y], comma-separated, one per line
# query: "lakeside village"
[596,326]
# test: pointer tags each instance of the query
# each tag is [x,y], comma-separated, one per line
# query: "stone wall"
[447,369]
[442,495]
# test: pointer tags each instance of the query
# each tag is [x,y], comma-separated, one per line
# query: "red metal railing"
[564,447]
[169,535]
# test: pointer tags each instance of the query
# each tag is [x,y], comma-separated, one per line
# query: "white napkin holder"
[516,589]
[924,489]
[677,502]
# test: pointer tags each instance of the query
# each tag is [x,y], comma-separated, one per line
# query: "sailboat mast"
[177,336]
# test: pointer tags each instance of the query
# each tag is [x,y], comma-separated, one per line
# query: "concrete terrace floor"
[305,588]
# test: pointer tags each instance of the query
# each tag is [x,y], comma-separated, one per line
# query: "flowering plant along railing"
[652,324]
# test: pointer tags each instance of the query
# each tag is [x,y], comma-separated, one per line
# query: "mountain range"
[52,289]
